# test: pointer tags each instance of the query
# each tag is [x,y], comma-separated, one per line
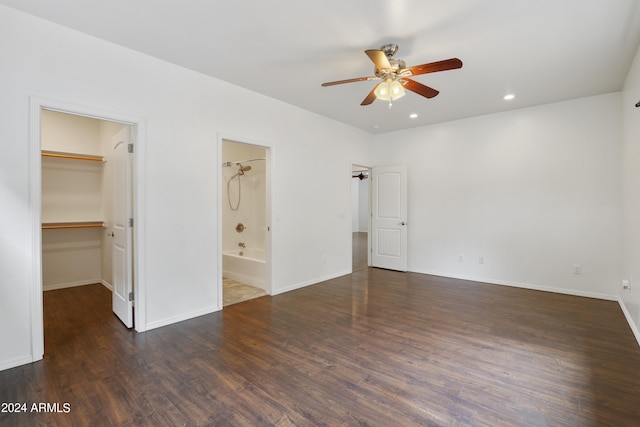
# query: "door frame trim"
[36,105]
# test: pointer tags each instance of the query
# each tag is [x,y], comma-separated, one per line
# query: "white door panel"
[389,217]
[122,233]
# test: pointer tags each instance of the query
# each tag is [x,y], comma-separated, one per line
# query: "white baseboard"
[18,361]
[79,283]
[181,318]
[308,282]
[627,315]
[519,285]
[107,285]
[70,284]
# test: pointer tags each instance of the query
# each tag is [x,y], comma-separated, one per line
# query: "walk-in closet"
[80,193]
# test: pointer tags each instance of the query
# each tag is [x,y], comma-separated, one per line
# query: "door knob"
[403,223]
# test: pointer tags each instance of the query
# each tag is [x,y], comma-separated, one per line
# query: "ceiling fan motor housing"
[389,49]
[396,64]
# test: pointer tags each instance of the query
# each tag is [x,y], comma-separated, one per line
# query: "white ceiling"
[541,50]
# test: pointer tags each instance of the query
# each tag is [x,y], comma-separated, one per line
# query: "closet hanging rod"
[71,156]
[61,225]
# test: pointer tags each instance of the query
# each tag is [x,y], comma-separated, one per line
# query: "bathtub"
[249,268]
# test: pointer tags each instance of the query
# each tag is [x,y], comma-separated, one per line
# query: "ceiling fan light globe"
[383,91]
[396,90]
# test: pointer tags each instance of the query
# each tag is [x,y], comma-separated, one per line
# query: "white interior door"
[122,231]
[389,217]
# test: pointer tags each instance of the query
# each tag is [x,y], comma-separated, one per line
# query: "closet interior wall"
[76,192]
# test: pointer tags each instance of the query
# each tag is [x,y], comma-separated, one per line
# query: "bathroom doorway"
[244,209]
[360,216]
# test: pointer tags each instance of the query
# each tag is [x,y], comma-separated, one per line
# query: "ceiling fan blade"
[357,79]
[419,88]
[371,97]
[379,59]
[432,67]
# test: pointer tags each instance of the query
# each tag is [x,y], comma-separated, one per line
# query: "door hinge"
[130,222]
[130,296]
[130,147]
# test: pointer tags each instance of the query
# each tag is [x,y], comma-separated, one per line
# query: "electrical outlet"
[460,258]
[626,285]
[481,260]
[577,269]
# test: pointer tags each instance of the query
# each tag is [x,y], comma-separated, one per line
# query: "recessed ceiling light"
[375,126]
[413,115]
[509,97]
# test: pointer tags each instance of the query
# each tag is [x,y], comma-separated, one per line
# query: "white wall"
[533,191]
[631,194]
[69,133]
[183,113]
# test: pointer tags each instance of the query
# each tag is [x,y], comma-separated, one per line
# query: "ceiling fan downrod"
[389,49]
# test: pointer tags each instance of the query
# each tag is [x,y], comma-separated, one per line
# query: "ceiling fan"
[395,74]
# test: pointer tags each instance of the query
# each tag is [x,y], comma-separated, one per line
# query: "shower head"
[242,169]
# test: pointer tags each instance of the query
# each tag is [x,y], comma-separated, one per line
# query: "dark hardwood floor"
[359,248]
[374,348]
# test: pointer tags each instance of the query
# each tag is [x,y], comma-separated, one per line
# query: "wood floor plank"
[374,348]
[359,251]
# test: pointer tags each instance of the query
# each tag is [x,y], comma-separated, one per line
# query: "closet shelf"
[63,155]
[77,224]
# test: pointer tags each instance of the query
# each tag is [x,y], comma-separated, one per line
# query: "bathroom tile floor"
[234,292]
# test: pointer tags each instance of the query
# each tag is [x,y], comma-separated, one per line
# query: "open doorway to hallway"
[360,216]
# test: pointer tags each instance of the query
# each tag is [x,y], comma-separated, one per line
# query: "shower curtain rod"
[235,162]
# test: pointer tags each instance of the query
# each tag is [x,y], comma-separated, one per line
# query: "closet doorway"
[86,206]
